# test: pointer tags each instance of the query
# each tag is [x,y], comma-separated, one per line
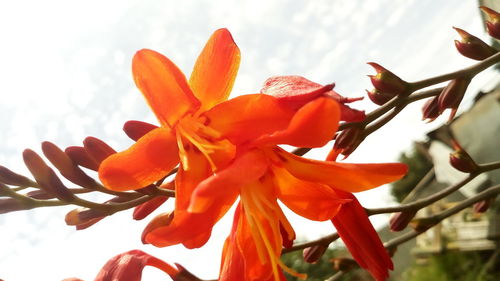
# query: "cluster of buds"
[346,142]
[474,48]
[387,85]
[50,188]
[450,97]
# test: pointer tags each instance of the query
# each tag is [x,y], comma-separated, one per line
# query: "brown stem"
[469,71]
[323,240]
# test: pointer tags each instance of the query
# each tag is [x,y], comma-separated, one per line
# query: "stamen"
[258,204]
[182,151]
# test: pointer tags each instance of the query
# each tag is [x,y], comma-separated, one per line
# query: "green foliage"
[455,266]
[418,166]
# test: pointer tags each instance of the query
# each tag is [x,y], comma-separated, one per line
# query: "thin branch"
[323,240]
[468,71]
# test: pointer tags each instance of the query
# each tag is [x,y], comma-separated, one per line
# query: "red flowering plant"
[211,152]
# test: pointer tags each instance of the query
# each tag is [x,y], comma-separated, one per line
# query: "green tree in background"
[418,166]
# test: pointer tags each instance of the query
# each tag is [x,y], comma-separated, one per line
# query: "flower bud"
[386,81]
[399,221]
[45,176]
[344,264]
[81,157]
[452,95]
[97,149]
[66,166]
[493,22]
[146,208]
[81,215]
[472,47]
[9,177]
[136,129]
[313,254]
[461,160]
[346,142]
[430,110]
[378,97]
[483,206]
[85,217]
[8,205]
[160,220]
[40,195]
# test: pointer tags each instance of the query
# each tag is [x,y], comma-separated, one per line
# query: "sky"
[65,74]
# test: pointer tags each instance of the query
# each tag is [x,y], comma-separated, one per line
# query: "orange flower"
[184,134]
[261,174]
[228,149]
[178,105]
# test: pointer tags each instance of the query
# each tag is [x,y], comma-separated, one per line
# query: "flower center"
[191,129]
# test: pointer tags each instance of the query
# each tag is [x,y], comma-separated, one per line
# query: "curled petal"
[215,69]
[295,91]
[314,201]
[145,162]
[342,176]
[245,118]
[361,239]
[129,265]
[164,86]
[313,125]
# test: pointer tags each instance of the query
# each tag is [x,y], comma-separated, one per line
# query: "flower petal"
[164,86]
[245,118]
[361,239]
[145,162]
[295,91]
[129,266]
[343,176]
[245,169]
[192,230]
[238,260]
[314,125]
[215,70]
[314,201]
